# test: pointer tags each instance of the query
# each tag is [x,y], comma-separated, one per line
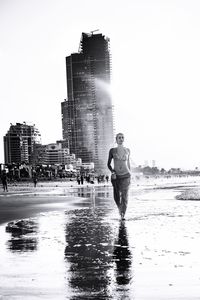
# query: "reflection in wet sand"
[97,269]
[123,260]
[87,253]
[97,259]
[21,240]
[89,244]
[122,256]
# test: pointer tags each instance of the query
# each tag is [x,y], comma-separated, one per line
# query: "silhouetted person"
[4,181]
[35,179]
[78,179]
[82,179]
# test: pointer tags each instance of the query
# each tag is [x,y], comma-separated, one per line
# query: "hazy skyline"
[155,48]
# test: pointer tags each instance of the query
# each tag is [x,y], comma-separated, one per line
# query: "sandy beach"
[23,200]
[79,249]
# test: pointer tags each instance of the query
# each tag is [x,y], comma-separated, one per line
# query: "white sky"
[155,47]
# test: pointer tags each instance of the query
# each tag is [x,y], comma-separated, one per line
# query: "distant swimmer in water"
[121,174]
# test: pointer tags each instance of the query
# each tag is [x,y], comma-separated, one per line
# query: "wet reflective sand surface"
[84,251]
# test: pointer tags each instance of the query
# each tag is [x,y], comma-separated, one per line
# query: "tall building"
[87,113]
[19,143]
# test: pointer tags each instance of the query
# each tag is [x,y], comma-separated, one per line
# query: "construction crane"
[92,31]
[88,34]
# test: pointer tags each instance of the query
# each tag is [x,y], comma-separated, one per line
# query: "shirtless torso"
[120,156]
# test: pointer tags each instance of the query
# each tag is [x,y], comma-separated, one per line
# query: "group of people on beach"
[91,179]
[120,174]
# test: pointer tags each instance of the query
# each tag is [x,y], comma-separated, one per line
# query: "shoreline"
[23,200]
[73,231]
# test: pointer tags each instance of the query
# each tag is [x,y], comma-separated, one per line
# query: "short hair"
[118,135]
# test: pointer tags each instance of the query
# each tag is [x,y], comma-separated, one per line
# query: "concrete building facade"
[87,114]
[19,143]
[55,154]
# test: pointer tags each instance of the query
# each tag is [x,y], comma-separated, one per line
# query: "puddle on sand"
[82,253]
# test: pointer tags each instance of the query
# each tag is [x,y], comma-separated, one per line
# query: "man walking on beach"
[35,178]
[4,181]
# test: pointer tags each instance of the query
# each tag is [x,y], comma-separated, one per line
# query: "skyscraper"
[87,114]
[19,143]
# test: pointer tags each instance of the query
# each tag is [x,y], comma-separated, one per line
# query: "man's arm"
[110,156]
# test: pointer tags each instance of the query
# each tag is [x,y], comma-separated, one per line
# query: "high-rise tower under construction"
[87,113]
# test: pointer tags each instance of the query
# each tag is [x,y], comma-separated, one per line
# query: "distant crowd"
[35,177]
[88,178]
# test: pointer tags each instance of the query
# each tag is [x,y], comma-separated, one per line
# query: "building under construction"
[87,113]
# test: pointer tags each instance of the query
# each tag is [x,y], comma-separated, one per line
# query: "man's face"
[120,139]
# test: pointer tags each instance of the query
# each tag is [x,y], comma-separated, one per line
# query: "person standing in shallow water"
[121,174]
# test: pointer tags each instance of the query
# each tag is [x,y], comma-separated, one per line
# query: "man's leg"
[116,192]
[124,195]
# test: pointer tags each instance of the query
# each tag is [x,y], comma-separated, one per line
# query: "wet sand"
[23,200]
[80,249]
